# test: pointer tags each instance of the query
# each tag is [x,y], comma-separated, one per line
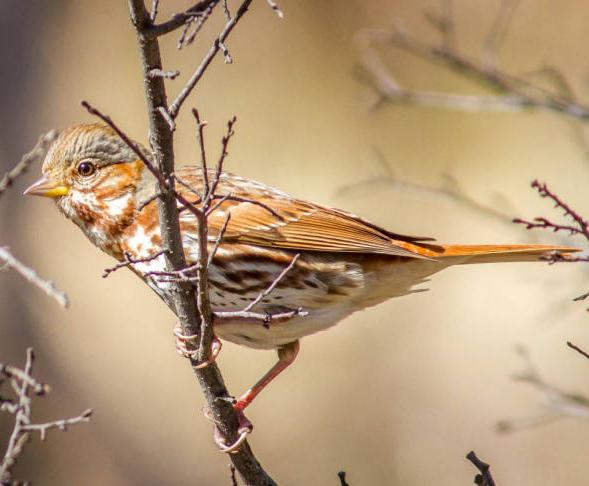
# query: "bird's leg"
[286,356]
[186,346]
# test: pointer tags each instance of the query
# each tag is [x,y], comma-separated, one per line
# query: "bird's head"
[96,180]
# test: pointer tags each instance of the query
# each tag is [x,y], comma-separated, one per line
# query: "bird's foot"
[186,346]
[244,428]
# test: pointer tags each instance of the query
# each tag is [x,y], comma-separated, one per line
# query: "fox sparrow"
[343,263]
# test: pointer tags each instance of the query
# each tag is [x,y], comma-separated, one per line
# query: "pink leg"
[286,356]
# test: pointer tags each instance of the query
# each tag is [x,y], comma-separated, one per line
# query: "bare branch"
[484,478]
[38,152]
[498,31]
[33,277]
[198,73]
[578,349]
[168,119]
[198,22]
[61,424]
[153,11]
[195,318]
[557,403]
[131,261]
[219,239]
[342,478]
[265,319]
[272,4]
[200,126]
[543,223]
[22,381]
[178,20]
[273,285]
[517,92]
[219,169]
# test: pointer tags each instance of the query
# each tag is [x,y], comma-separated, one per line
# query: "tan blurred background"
[394,395]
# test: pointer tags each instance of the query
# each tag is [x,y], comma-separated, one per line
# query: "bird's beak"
[47,187]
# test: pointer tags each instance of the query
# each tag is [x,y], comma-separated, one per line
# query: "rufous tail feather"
[499,253]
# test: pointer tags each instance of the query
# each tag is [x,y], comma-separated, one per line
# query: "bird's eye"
[86,169]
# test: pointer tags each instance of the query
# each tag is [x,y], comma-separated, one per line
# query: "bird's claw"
[244,428]
[185,346]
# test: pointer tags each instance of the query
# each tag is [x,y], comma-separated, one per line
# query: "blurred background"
[395,395]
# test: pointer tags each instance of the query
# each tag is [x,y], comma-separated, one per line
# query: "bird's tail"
[497,253]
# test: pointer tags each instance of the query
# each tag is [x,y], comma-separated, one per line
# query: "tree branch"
[201,69]
[38,151]
[22,383]
[33,277]
[516,92]
[195,315]
[484,478]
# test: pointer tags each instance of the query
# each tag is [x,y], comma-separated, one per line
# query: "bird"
[322,264]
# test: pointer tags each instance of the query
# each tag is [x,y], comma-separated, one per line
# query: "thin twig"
[178,20]
[498,31]
[219,168]
[201,69]
[272,4]
[518,93]
[578,349]
[199,21]
[38,151]
[258,316]
[33,277]
[543,223]
[200,129]
[219,239]
[22,382]
[273,285]
[128,261]
[61,424]
[153,11]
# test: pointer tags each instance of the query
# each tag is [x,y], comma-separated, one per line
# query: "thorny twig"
[581,225]
[484,478]
[23,384]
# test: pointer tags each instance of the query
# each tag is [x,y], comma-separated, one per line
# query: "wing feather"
[277,220]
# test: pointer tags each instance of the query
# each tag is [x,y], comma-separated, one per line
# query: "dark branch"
[578,349]
[194,315]
[484,478]
[342,478]
[178,20]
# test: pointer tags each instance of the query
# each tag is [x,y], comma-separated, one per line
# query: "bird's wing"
[263,216]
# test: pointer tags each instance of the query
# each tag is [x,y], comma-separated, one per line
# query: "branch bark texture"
[194,318]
